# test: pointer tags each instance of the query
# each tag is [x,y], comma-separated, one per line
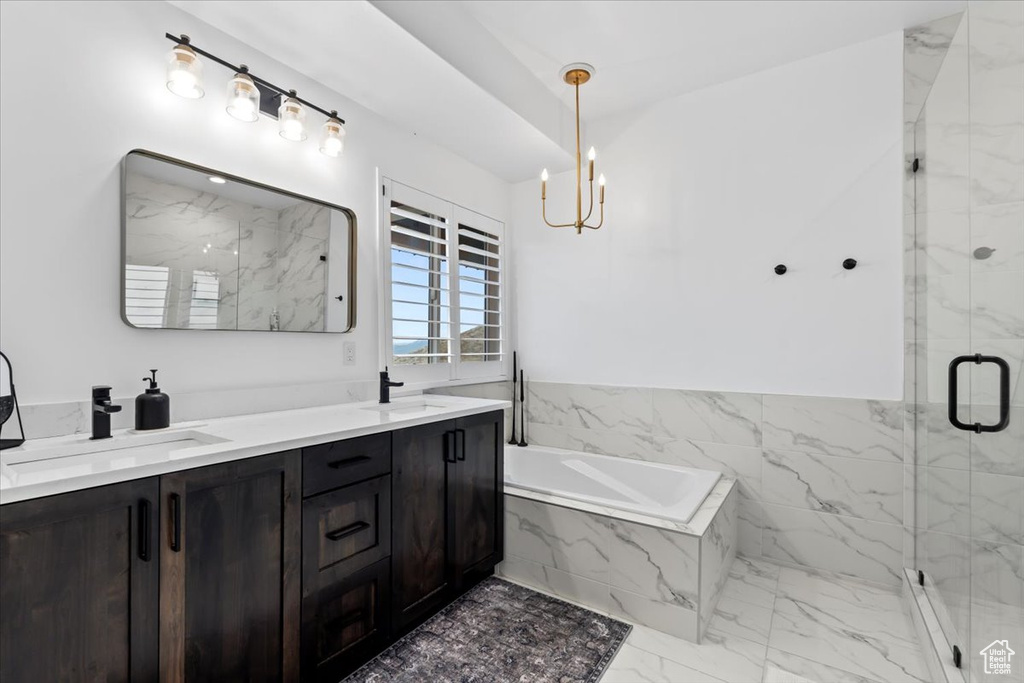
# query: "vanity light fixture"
[332,136]
[184,70]
[217,180]
[248,96]
[576,75]
[292,118]
[243,97]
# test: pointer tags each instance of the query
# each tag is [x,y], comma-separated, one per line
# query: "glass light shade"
[184,72]
[291,116]
[243,98]
[332,137]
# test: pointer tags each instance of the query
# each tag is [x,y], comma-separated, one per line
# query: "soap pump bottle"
[153,408]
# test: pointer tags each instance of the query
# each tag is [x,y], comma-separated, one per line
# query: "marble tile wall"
[302,238]
[664,579]
[266,260]
[821,480]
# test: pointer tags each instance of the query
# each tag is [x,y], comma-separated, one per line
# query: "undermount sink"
[84,456]
[414,406]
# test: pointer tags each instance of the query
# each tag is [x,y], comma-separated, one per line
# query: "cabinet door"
[422,571]
[479,496]
[78,595]
[229,581]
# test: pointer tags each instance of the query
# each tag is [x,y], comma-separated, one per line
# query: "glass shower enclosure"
[966,345]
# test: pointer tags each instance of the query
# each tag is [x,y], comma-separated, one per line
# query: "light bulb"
[184,71]
[216,179]
[292,118]
[544,175]
[332,136]
[243,97]
[592,154]
[600,180]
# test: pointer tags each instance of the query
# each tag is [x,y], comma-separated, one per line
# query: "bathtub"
[647,543]
[663,491]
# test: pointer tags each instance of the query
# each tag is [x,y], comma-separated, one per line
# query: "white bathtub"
[663,491]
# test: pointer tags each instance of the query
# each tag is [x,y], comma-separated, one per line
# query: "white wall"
[83,84]
[707,192]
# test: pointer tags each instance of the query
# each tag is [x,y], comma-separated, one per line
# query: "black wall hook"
[850,263]
[780,269]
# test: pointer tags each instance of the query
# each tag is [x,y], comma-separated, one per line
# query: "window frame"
[456,370]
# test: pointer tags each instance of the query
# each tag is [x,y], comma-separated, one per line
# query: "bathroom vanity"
[295,546]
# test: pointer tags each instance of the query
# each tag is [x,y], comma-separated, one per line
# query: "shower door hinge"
[920,576]
[957,656]
[384,190]
[916,165]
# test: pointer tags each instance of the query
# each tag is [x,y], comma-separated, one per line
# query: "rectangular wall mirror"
[204,250]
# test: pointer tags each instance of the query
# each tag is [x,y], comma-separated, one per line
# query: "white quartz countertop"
[31,471]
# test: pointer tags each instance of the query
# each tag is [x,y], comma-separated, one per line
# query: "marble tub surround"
[820,480]
[645,573]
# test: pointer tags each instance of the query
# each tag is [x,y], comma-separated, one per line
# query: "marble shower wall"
[820,479]
[264,259]
[302,239]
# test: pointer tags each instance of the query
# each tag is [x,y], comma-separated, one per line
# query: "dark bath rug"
[499,632]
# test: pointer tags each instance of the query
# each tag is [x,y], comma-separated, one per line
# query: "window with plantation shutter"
[443,317]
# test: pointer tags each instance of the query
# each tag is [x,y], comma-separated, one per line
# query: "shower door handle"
[1004,393]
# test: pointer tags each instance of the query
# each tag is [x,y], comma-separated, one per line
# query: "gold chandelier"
[576,75]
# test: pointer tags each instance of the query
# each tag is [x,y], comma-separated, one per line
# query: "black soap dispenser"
[153,408]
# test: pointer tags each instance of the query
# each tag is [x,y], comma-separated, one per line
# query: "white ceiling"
[646,51]
[354,49]
[484,73]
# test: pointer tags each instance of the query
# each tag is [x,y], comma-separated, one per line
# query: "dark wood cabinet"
[272,568]
[479,501]
[78,586]
[422,535]
[448,512]
[230,571]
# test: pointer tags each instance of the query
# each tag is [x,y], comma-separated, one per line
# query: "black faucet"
[385,386]
[101,410]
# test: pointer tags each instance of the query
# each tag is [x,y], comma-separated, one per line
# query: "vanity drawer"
[346,530]
[346,623]
[340,463]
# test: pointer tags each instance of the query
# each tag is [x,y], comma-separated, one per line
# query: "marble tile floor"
[778,624]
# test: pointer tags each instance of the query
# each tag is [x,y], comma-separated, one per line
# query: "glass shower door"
[969,340]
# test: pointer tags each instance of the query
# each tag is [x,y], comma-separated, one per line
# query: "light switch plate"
[349,352]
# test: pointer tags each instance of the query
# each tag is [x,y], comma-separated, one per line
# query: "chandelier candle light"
[576,75]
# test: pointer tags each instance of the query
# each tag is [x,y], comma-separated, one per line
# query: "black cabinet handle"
[460,444]
[348,462]
[449,447]
[144,512]
[346,531]
[175,522]
[1004,393]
